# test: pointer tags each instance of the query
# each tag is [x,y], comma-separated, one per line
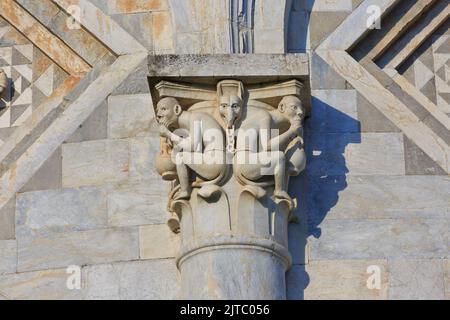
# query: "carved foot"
[282,195]
[182,195]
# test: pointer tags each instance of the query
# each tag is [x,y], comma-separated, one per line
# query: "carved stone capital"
[229,147]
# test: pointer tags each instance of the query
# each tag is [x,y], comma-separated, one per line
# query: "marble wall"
[87,193]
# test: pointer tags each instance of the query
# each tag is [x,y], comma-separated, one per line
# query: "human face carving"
[230,110]
[292,108]
[167,112]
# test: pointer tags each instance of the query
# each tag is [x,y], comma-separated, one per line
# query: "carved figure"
[198,143]
[291,109]
[3,83]
[259,153]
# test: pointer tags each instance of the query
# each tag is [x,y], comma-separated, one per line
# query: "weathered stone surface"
[57,50]
[418,109]
[94,128]
[355,154]
[418,162]
[162,31]
[381,239]
[44,11]
[375,197]
[139,25]
[322,24]
[157,242]
[327,5]
[323,76]
[443,131]
[229,65]
[78,248]
[129,115]
[8,256]
[333,111]
[16,176]
[49,176]
[136,83]
[42,213]
[83,43]
[137,280]
[142,152]
[371,119]
[416,279]
[7,225]
[94,162]
[382,99]
[269,41]
[124,6]
[446,266]
[114,36]
[202,275]
[206,24]
[298,246]
[138,203]
[345,279]
[40,285]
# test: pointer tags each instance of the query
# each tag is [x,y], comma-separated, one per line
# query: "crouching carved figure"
[3,83]
[197,141]
[211,135]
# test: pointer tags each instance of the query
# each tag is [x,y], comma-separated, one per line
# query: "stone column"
[240,253]
[233,224]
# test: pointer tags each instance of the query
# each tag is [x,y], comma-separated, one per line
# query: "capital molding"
[229,144]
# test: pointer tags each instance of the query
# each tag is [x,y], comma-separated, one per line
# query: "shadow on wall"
[298,26]
[327,134]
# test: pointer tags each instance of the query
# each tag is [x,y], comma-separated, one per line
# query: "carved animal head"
[291,107]
[168,111]
[230,110]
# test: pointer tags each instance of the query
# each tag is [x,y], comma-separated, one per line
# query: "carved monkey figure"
[198,143]
[3,83]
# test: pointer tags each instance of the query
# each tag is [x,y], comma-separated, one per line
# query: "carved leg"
[279,176]
[183,176]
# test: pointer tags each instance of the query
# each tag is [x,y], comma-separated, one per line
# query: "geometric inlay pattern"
[32,77]
[428,69]
[441,57]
